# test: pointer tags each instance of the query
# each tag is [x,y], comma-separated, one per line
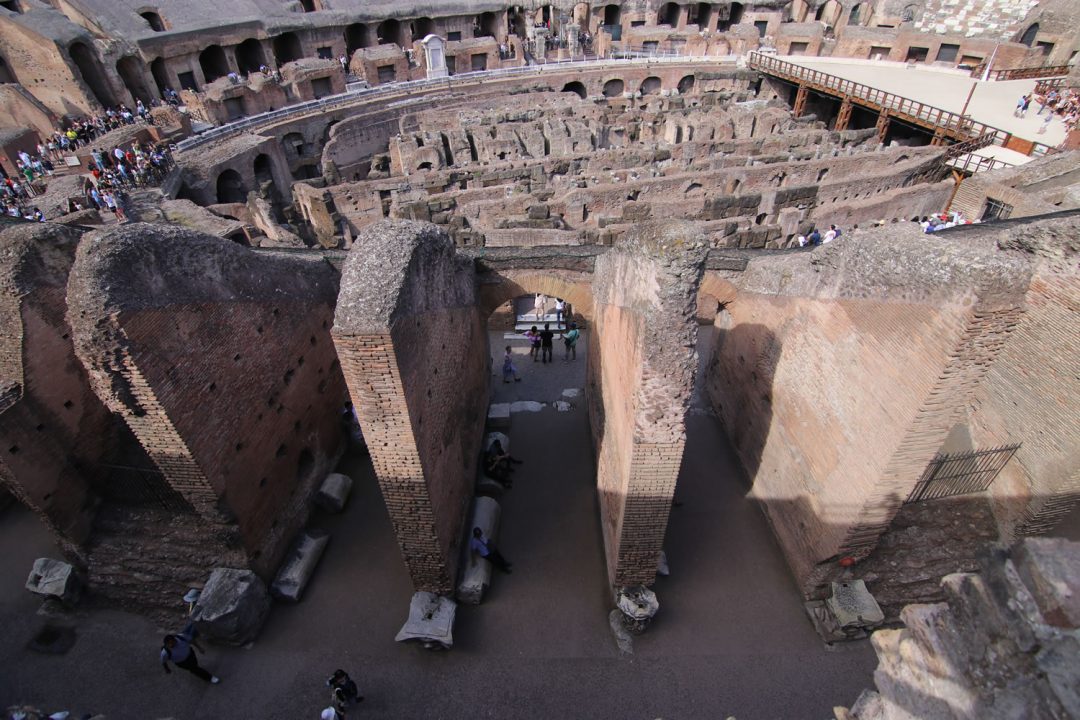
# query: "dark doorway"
[356,37]
[1028,38]
[650,85]
[686,84]
[92,73]
[263,173]
[132,71]
[484,25]
[575,87]
[230,188]
[287,48]
[422,27]
[735,14]
[704,16]
[612,15]
[213,63]
[161,75]
[668,15]
[389,32]
[250,56]
[614,88]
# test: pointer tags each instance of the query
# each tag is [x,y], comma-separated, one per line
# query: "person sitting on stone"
[487,550]
[343,688]
[498,464]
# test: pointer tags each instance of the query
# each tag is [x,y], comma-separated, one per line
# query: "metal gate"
[961,473]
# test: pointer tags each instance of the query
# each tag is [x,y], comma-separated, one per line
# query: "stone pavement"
[993,102]
[730,640]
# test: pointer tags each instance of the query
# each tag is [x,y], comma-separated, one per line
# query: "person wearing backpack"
[180,649]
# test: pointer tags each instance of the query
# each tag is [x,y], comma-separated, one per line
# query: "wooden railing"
[954,126]
[1021,73]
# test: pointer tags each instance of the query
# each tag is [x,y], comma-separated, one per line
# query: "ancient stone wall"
[1002,646]
[413,343]
[641,371]
[53,429]
[839,376]
[220,361]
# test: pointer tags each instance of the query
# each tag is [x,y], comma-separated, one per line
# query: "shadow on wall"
[758,351]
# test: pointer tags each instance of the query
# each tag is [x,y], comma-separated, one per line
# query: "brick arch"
[574,287]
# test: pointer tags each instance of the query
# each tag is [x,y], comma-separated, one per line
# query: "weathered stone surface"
[974,657]
[334,492]
[1053,578]
[498,417]
[299,565]
[55,579]
[476,571]
[851,604]
[232,607]
[431,621]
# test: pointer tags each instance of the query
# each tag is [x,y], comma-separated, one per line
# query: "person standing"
[546,336]
[534,342]
[487,550]
[180,649]
[570,341]
[540,306]
[814,237]
[508,369]
[560,308]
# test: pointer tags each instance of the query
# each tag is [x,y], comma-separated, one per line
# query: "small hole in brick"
[236,357]
[68,404]
[259,416]
[281,451]
[258,329]
[239,446]
[429,392]
[40,427]
[280,408]
[212,387]
[324,324]
[47,496]
[275,312]
[334,365]
[270,401]
[288,376]
[322,386]
[312,339]
[296,426]
[262,483]
[65,336]
[300,361]
[13,449]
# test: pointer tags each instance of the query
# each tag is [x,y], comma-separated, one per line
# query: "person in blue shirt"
[179,649]
[487,550]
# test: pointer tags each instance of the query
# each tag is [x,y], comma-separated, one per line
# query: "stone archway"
[230,187]
[92,73]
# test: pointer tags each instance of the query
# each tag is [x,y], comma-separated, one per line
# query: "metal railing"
[972,163]
[410,88]
[954,125]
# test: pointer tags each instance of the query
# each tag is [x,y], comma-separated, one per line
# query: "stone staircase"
[144,559]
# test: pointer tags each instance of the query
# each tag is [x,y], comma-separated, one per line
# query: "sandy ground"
[993,102]
[730,639]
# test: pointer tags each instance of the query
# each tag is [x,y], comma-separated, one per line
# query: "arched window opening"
[230,188]
[356,37]
[287,48]
[7,74]
[422,27]
[575,87]
[485,25]
[650,85]
[389,32]
[92,73]
[1028,38]
[213,63]
[614,88]
[161,75]
[154,20]
[668,15]
[132,71]
[250,56]
[686,84]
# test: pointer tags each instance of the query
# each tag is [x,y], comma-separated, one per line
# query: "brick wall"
[413,344]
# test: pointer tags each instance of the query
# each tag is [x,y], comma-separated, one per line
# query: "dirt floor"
[731,638]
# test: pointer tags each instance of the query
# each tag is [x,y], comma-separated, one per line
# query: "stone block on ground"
[499,416]
[299,565]
[476,571]
[526,406]
[334,492]
[55,579]
[232,607]
[853,605]
[431,621]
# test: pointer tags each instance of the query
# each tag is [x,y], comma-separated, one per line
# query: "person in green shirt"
[570,341]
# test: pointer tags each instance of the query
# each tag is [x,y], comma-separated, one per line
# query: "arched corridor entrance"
[92,73]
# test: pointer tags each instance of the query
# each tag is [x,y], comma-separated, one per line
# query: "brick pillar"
[413,349]
[882,125]
[642,365]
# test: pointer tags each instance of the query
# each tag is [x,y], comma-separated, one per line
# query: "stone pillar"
[882,125]
[413,348]
[435,56]
[642,364]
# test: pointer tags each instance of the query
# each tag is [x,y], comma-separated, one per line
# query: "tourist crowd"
[110,171]
[1063,104]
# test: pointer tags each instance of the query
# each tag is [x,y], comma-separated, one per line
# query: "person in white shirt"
[560,308]
[829,236]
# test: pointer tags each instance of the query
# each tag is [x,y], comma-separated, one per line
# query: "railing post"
[843,118]
[800,101]
[882,125]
